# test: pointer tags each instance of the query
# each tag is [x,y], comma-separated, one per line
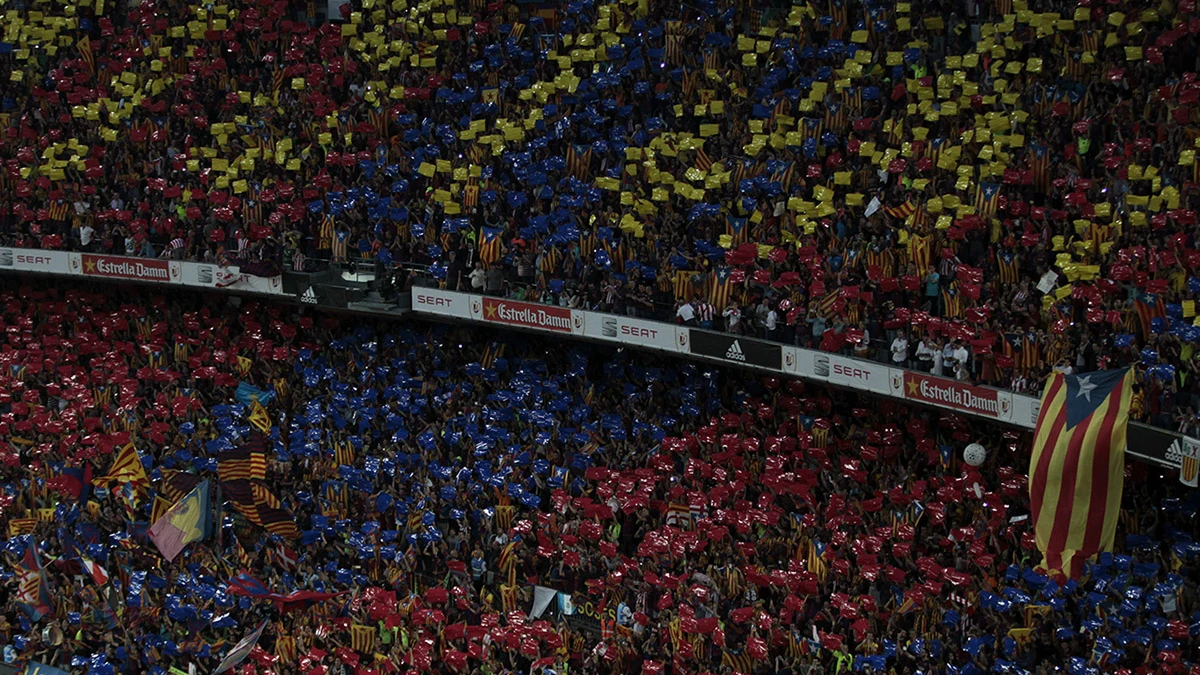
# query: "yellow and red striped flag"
[1077,471]
[259,417]
[343,454]
[161,506]
[84,45]
[362,638]
[489,245]
[126,468]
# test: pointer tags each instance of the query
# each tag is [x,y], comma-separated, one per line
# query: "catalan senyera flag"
[738,662]
[126,468]
[901,211]
[1189,465]
[1077,471]
[161,506]
[243,558]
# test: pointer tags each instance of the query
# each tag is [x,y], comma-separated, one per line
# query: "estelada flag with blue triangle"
[259,417]
[1077,471]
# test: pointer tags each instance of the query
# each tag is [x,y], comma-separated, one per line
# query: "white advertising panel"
[627,330]
[32,260]
[442,303]
[205,275]
[1026,410]
[853,373]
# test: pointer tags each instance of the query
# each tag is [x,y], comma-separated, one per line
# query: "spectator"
[455,271]
[899,350]
[478,278]
[942,352]
[761,310]
[862,344]
[494,280]
[925,353]
[817,323]
[685,313]
[704,313]
[733,318]
[86,234]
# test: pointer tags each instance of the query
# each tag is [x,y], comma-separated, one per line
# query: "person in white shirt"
[961,356]
[961,373]
[477,277]
[624,615]
[900,349]
[862,348]
[733,318]
[85,236]
[686,314]
[760,315]
[925,352]
[771,321]
[939,359]
[948,362]
[956,359]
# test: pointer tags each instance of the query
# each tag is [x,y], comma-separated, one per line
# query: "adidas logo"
[735,352]
[1175,452]
[309,297]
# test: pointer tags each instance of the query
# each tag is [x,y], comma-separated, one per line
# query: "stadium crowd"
[418,488]
[1017,177]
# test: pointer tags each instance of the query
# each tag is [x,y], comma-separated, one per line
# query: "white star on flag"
[1085,388]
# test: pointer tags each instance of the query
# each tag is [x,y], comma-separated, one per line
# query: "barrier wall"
[145,270]
[1151,444]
